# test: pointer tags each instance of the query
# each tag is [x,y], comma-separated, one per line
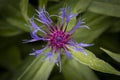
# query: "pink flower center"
[58,39]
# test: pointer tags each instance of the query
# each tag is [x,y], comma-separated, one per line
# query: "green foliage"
[110,7]
[36,70]
[111,54]
[103,18]
[70,64]
[92,61]
[98,24]
[24,9]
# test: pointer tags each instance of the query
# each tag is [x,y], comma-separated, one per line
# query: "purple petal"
[50,56]
[59,56]
[33,40]
[27,41]
[68,53]
[44,17]
[81,50]
[70,16]
[60,64]
[34,34]
[85,45]
[36,37]
[63,14]
[67,15]
[38,52]
[78,25]
[35,26]
[58,61]
[71,42]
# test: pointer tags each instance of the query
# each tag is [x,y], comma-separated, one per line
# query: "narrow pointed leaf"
[115,56]
[93,62]
[44,72]
[37,69]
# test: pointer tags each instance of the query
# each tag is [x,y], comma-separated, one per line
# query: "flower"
[57,36]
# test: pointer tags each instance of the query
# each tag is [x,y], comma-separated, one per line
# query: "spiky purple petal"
[63,14]
[81,49]
[78,25]
[50,56]
[67,16]
[35,26]
[85,45]
[66,13]
[33,40]
[70,16]
[58,61]
[68,54]
[57,36]
[44,17]
[38,52]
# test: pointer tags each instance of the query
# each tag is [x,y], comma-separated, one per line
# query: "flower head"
[57,36]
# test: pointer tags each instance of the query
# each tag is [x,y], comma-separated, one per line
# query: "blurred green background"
[102,16]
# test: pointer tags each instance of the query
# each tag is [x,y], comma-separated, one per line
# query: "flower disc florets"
[57,36]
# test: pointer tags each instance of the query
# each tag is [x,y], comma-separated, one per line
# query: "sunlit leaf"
[92,61]
[115,56]
[72,70]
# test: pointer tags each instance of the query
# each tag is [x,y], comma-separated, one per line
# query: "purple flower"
[56,35]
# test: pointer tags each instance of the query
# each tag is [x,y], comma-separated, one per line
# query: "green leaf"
[35,70]
[78,5]
[115,56]
[19,23]
[77,68]
[44,72]
[12,12]
[92,61]
[81,5]
[42,3]
[24,9]
[106,7]
[7,29]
